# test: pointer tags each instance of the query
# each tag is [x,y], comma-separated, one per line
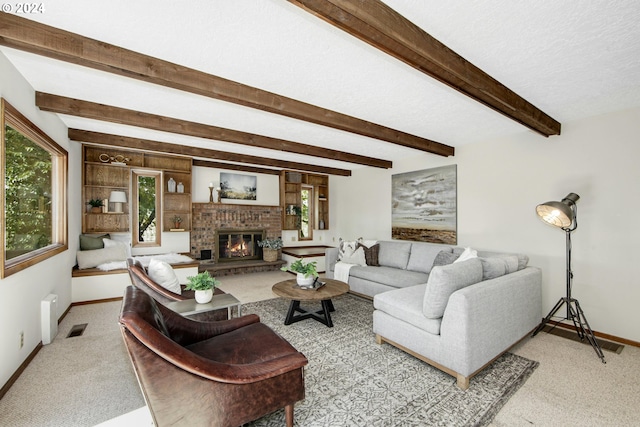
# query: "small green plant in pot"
[306,273]
[96,205]
[204,284]
[270,248]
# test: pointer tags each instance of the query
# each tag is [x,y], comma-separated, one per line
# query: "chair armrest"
[187,331]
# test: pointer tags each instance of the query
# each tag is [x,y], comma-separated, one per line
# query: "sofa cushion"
[523,260]
[445,280]
[406,304]
[389,276]
[423,255]
[394,254]
[162,273]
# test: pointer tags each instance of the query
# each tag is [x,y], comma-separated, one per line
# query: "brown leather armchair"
[223,373]
[141,280]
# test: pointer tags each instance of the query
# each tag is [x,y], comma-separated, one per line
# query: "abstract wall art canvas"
[237,186]
[424,205]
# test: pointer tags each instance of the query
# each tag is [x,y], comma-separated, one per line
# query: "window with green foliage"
[34,171]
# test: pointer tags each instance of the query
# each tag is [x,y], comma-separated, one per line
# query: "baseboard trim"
[598,334]
[95,301]
[5,388]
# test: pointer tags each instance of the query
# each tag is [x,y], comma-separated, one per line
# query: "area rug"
[352,381]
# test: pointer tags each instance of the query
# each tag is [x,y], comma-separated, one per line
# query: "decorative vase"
[203,297]
[171,185]
[304,281]
[269,254]
[176,224]
[321,224]
[180,187]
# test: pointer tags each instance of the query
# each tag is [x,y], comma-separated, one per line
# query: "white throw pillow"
[357,258]
[162,273]
[111,243]
[468,253]
[95,257]
[124,238]
[346,249]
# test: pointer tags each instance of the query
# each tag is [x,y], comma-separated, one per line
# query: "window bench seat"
[93,284]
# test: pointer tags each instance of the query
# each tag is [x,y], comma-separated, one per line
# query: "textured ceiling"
[570,59]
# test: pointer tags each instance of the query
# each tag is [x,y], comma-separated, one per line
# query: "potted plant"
[176,221]
[305,273]
[96,205]
[204,284]
[270,248]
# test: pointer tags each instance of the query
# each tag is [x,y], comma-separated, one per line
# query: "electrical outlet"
[21,339]
[293,238]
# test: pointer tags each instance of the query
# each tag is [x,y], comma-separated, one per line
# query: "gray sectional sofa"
[456,316]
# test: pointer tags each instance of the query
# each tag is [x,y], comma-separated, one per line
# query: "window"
[306,218]
[146,208]
[34,195]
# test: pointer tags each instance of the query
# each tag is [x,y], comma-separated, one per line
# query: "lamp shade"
[559,214]
[118,197]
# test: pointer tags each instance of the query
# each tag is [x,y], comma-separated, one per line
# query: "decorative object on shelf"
[203,284]
[176,221]
[305,273]
[321,224]
[96,205]
[564,215]
[171,185]
[270,248]
[212,198]
[105,205]
[117,160]
[180,187]
[118,198]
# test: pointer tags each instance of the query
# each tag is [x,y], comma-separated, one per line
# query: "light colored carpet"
[65,385]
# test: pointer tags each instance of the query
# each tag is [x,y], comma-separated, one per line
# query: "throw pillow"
[371,249]
[493,267]
[468,253]
[162,273]
[110,243]
[88,243]
[445,257]
[346,248]
[95,257]
[124,238]
[444,281]
[357,258]
[422,256]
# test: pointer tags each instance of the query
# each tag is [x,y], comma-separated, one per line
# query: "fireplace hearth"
[233,245]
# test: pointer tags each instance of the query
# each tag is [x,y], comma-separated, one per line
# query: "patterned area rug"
[352,381]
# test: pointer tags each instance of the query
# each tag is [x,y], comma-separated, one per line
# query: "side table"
[190,306]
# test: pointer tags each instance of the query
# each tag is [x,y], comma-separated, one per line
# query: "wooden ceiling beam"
[92,110]
[377,24]
[21,33]
[230,166]
[186,150]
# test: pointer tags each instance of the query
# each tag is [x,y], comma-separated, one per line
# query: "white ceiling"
[571,59]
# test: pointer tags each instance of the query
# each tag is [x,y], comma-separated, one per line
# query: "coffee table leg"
[293,306]
[327,308]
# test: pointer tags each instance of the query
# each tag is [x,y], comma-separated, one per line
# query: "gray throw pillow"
[444,281]
[88,243]
[445,257]
[422,256]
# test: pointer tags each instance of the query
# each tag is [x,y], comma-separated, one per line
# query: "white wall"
[499,185]
[21,293]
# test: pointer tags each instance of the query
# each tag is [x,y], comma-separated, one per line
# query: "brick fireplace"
[211,218]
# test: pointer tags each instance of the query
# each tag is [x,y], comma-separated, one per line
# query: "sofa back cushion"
[445,280]
[394,254]
[422,256]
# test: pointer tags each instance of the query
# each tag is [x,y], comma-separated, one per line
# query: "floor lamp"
[564,215]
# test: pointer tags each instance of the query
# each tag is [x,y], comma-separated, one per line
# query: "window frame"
[60,180]
[135,215]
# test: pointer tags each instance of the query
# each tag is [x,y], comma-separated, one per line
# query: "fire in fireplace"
[238,245]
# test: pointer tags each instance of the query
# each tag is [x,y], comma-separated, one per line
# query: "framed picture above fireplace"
[237,186]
